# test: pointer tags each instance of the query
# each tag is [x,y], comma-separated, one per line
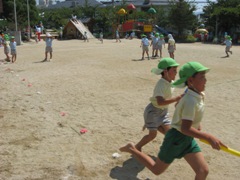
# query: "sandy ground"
[104,88]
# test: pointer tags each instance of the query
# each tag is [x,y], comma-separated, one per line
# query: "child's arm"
[188,130]
[162,102]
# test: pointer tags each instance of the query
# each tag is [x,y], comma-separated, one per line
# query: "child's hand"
[215,143]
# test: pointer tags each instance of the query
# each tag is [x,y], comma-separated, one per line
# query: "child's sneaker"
[50,60]
[44,60]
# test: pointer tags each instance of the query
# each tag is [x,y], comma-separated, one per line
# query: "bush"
[190,39]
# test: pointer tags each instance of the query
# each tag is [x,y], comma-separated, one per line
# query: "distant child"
[101,36]
[13,46]
[160,43]
[145,46]
[228,42]
[48,48]
[85,37]
[117,36]
[171,46]
[36,37]
[132,35]
[154,44]
[1,39]
[156,116]
[6,46]
[179,141]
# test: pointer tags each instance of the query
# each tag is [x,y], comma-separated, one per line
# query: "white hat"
[48,35]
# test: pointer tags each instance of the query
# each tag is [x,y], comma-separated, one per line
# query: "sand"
[104,88]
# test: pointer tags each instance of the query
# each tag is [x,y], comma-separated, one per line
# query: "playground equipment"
[138,26]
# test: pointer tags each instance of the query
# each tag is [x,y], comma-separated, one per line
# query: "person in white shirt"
[13,46]
[145,46]
[48,48]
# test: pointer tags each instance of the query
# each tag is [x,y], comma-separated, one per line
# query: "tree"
[21,11]
[181,15]
[225,12]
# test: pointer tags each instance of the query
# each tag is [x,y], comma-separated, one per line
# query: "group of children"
[186,122]
[157,44]
[9,47]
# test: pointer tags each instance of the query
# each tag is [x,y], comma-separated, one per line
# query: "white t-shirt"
[190,107]
[164,89]
[171,42]
[145,41]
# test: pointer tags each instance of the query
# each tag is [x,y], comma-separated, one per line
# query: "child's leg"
[226,51]
[156,52]
[198,164]
[50,55]
[164,129]
[143,52]
[147,54]
[46,53]
[146,139]
[157,167]
[14,58]
[160,50]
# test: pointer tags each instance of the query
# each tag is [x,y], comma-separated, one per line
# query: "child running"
[145,46]
[228,43]
[179,141]
[156,116]
[171,46]
[13,46]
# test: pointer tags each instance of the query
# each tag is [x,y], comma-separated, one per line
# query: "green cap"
[161,35]
[143,35]
[188,70]
[164,64]
[6,37]
[156,34]
[12,37]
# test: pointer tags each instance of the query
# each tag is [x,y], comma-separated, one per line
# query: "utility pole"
[15,15]
[28,21]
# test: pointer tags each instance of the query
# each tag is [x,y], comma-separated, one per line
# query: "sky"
[199,5]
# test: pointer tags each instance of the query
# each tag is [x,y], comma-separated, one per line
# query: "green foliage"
[190,39]
[161,16]
[181,16]
[226,12]
[21,11]
[56,18]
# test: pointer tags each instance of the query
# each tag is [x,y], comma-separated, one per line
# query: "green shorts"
[177,145]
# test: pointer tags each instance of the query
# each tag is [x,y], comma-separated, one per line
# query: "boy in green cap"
[13,46]
[156,116]
[160,43]
[6,46]
[154,45]
[228,43]
[179,141]
[144,45]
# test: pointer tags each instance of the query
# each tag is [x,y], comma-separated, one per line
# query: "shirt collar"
[193,93]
